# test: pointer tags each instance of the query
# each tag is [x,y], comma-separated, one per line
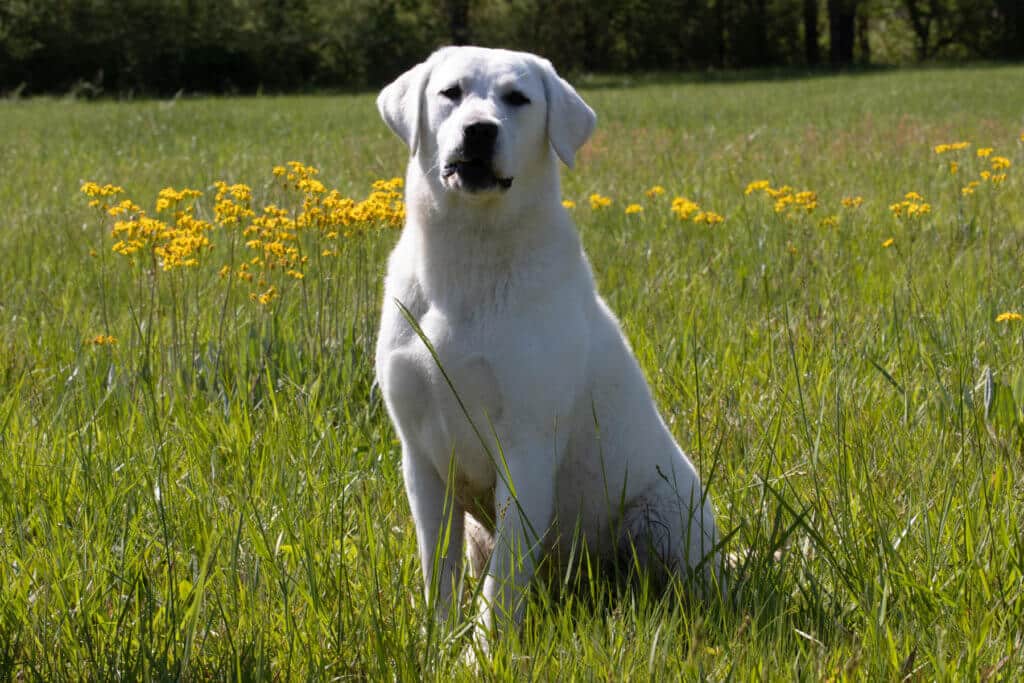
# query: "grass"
[219,494]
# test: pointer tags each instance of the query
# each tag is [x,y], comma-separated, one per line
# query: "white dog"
[526,423]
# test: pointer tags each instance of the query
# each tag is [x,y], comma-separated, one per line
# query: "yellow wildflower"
[91,189]
[757,185]
[951,147]
[655,191]
[888,243]
[598,201]
[1008,316]
[684,208]
[829,222]
[295,274]
[912,206]
[853,202]
[568,203]
[708,217]
[169,197]
[232,203]
[634,208]
[984,152]
[953,167]
[1000,163]
[806,200]
[102,340]
[968,189]
[123,207]
[266,297]
[100,194]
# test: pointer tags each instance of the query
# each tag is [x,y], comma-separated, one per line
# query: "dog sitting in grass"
[527,427]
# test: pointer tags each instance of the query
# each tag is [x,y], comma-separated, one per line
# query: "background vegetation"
[217,493]
[163,46]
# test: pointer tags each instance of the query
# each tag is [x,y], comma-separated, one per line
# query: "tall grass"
[219,493]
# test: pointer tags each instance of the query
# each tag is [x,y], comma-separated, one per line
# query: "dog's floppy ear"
[570,119]
[401,103]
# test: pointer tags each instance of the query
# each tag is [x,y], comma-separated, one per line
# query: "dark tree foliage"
[163,46]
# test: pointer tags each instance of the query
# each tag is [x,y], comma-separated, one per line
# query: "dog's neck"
[469,250]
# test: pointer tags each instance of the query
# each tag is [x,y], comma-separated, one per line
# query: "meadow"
[198,478]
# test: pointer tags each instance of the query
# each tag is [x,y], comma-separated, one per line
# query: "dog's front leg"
[524,508]
[439,527]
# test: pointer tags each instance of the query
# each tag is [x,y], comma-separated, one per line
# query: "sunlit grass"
[194,482]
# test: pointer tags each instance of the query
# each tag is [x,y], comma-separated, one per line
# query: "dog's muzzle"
[474,161]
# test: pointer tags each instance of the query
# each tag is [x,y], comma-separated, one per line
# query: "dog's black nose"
[479,139]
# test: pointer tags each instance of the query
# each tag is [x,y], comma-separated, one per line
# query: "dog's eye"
[515,99]
[453,93]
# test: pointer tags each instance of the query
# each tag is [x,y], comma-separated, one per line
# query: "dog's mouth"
[475,175]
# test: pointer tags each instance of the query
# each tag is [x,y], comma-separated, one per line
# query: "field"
[198,478]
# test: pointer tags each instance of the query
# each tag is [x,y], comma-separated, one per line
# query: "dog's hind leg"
[664,534]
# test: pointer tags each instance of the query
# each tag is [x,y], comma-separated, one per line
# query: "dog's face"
[481,118]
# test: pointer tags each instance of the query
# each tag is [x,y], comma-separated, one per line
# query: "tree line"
[164,46]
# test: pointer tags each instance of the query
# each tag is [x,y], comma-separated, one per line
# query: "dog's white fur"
[534,421]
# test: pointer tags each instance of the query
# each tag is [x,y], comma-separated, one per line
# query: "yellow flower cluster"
[174,244]
[655,191]
[684,208]
[568,203]
[786,199]
[100,194]
[1000,163]
[273,238]
[101,340]
[852,202]
[995,174]
[951,147]
[689,210]
[176,238]
[634,208]
[912,206]
[757,186]
[1009,316]
[169,198]
[232,203]
[598,201]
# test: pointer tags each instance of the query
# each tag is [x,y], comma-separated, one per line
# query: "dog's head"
[480,118]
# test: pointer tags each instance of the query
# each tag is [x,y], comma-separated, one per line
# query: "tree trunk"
[863,42]
[842,25]
[812,53]
[458,21]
